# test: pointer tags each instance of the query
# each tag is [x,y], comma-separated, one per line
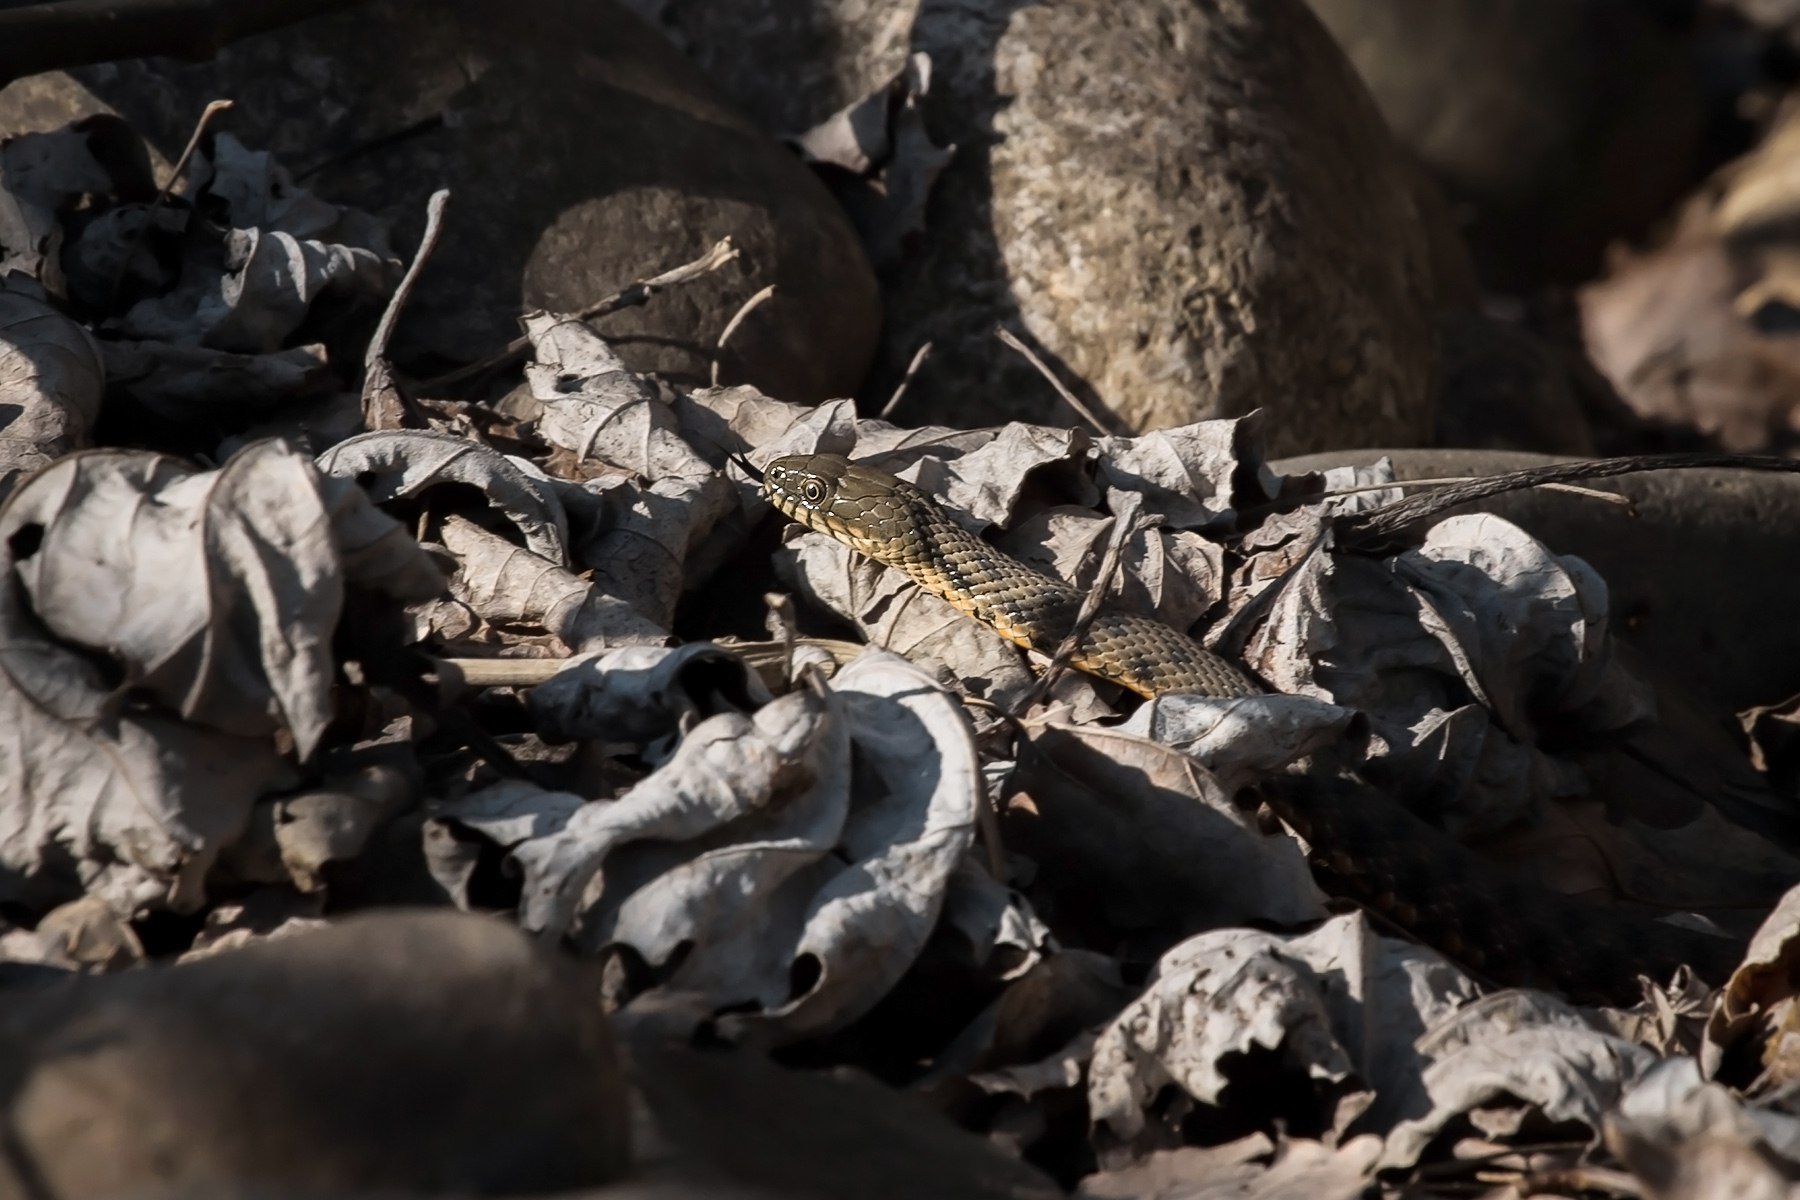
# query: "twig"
[783,629]
[1087,414]
[213,108]
[1569,488]
[504,672]
[73,33]
[1570,1180]
[434,226]
[737,318]
[1370,529]
[384,405]
[1125,524]
[637,293]
[912,368]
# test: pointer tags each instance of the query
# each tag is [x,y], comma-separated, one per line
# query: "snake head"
[860,505]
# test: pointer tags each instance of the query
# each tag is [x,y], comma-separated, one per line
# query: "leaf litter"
[516,652]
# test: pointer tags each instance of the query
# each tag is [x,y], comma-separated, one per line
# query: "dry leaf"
[514,588]
[641,696]
[1301,1170]
[1142,837]
[51,382]
[248,290]
[1334,1013]
[193,383]
[397,463]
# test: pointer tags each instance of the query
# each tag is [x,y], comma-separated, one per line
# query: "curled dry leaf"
[248,189]
[514,588]
[392,464]
[780,776]
[51,382]
[42,175]
[664,497]
[215,592]
[1188,474]
[1299,1170]
[1760,1006]
[1143,838]
[248,290]
[1337,1011]
[1242,739]
[1467,654]
[1686,1139]
[292,839]
[193,383]
[834,889]
[887,160]
[641,695]
[1507,1058]
[460,832]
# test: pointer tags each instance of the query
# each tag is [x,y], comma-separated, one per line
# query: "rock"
[411,1050]
[1502,388]
[737,1122]
[1698,577]
[1563,124]
[1196,215]
[582,152]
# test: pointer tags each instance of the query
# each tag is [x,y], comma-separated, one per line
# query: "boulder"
[411,1050]
[1561,124]
[582,152]
[1699,569]
[1191,210]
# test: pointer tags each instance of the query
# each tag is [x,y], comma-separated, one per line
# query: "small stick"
[737,318]
[1125,526]
[1454,480]
[384,331]
[380,393]
[1362,530]
[213,108]
[637,293]
[505,672]
[1006,336]
[912,368]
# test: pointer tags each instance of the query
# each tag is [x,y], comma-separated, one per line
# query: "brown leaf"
[1326,1021]
[52,379]
[1142,837]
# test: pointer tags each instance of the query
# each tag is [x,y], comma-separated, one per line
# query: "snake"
[1363,844]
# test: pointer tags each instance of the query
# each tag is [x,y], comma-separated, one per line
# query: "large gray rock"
[1192,208]
[1562,124]
[421,1050]
[582,152]
[1699,571]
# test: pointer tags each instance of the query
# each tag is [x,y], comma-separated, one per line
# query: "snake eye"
[813,490]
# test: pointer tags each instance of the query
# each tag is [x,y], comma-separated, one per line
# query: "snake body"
[1364,844]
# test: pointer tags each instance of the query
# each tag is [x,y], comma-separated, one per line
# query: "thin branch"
[384,405]
[912,368]
[1087,414]
[1450,480]
[74,33]
[213,108]
[637,293]
[384,331]
[737,318]
[1373,528]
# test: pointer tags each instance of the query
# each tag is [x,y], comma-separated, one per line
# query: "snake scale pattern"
[1365,845]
